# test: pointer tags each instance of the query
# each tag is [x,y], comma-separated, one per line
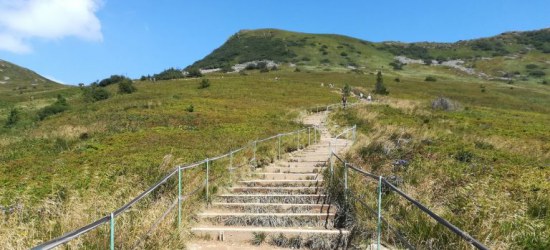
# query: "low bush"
[94,93]
[59,106]
[126,86]
[204,83]
[430,79]
[442,103]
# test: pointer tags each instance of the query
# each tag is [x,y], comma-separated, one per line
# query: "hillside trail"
[285,198]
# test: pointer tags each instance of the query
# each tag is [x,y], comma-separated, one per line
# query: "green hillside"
[512,56]
[22,80]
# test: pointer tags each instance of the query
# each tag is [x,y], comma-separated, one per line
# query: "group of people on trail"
[361,96]
[369,97]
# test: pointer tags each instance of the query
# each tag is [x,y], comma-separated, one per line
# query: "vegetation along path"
[279,205]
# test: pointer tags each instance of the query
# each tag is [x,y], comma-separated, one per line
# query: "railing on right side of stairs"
[383,183]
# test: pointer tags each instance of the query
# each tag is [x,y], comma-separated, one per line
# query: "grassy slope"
[103,154]
[497,195]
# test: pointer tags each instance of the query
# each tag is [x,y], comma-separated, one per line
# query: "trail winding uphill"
[283,203]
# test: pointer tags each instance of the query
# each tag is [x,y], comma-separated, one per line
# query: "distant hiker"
[322,84]
[361,95]
[344,101]
[369,98]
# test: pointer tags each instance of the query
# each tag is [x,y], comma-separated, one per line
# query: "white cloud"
[23,20]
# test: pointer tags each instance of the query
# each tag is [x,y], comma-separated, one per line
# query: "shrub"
[545,82]
[539,207]
[204,83]
[59,106]
[126,87]
[94,93]
[531,66]
[397,79]
[344,54]
[464,155]
[430,79]
[261,65]
[537,73]
[112,80]
[194,72]
[445,104]
[397,65]
[169,74]
[190,108]
[483,145]
[13,118]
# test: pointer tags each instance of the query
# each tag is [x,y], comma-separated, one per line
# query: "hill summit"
[329,51]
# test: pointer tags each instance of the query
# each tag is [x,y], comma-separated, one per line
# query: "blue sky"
[75,41]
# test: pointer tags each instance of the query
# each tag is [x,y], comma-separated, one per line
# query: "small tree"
[346,90]
[204,83]
[126,87]
[379,88]
[13,118]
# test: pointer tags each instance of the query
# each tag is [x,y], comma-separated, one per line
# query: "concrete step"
[287,164]
[267,219]
[271,207]
[272,198]
[295,169]
[285,176]
[281,183]
[335,237]
[276,190]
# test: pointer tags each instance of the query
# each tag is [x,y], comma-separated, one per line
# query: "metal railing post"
[279,146]
[346,176]
[379,226]
[315,136]
[179,197]
[308,136]
[330,160]
[207,173]
[255,150]
[231,167]
[112,238]
[354,132]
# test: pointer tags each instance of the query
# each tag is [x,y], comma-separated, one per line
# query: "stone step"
[276,190]
[272,207]
[295,169]
[309,236]
[273,198]
[281,183]
[285,176]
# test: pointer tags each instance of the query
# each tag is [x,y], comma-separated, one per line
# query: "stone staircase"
[279,205]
